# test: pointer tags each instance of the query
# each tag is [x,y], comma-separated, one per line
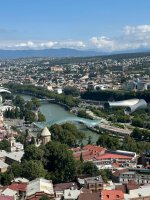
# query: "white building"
[39,187]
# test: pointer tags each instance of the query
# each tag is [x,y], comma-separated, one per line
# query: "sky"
[102,25]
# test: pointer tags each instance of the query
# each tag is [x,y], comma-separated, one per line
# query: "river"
[51,110]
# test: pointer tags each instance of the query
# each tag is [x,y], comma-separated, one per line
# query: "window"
[91,185]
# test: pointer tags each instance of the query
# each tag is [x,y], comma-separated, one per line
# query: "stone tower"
[45,136]
[12,143]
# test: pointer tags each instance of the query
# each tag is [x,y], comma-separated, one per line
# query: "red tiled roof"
[88,152]
[38,195]
[6,198]
[132,185]
[118,172]
[112,195]
[84,153]
[116,164]
[112,156]
[93,148]
[18,187]
[89,196]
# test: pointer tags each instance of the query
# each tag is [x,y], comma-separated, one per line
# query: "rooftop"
[94,179]
[3,164]
[6,197]
[12,155]
[112,156]
[89,196]
[39,185]
[112,195]
[45,132]
[71,194]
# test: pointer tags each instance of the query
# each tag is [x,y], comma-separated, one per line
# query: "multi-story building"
[141,176]
[94,184]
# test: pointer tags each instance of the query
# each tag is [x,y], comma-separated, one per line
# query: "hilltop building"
[45,136]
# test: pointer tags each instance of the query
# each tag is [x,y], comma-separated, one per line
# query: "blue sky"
[106,25]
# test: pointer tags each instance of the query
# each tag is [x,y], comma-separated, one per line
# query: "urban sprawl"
[51,157]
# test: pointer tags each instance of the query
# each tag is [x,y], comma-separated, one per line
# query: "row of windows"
[139,181]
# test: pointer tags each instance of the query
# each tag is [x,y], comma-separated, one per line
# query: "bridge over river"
[87,122]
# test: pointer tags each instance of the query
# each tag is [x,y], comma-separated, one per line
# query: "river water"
[51,110]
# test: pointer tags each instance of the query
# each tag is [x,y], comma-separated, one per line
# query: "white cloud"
[137,30]
[34,45]
[103,43]
[49,44]
[28,44]
[133,37]
[78,44]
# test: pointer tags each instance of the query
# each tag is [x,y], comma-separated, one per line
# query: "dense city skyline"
[99,25]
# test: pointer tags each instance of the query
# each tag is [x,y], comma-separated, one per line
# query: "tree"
[90,140]
[33,169]
[136,134]
[36,103]
[29,116]
[45,197]
[29,105]
[83,114]
[19,101]
[16,112]
[90,168]
[67,134]
[41,117]
[16,169]
[71,91]
[5,145]
[106,174]
[81,157]
[32,140]
[108,141]
[33,153]
[6,178]
[59,162]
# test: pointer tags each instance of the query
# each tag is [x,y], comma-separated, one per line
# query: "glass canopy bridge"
[87,122]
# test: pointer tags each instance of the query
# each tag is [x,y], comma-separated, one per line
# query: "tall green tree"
[33,153]
[33,169]
[59,162]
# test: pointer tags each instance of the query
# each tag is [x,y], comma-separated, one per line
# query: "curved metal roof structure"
[130,105]
[2,89]
[87,122]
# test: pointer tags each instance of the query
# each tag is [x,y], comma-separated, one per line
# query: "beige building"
[56,69]
[39,187]
[45,136]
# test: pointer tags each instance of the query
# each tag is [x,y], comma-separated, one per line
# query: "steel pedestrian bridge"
[87,122]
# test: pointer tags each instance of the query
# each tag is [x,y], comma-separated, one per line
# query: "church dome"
[45,132]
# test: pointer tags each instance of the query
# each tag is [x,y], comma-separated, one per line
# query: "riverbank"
[52,110]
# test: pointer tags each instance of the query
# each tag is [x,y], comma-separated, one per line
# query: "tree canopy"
[59,162]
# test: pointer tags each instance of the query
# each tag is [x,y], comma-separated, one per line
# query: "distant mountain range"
[63,52]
